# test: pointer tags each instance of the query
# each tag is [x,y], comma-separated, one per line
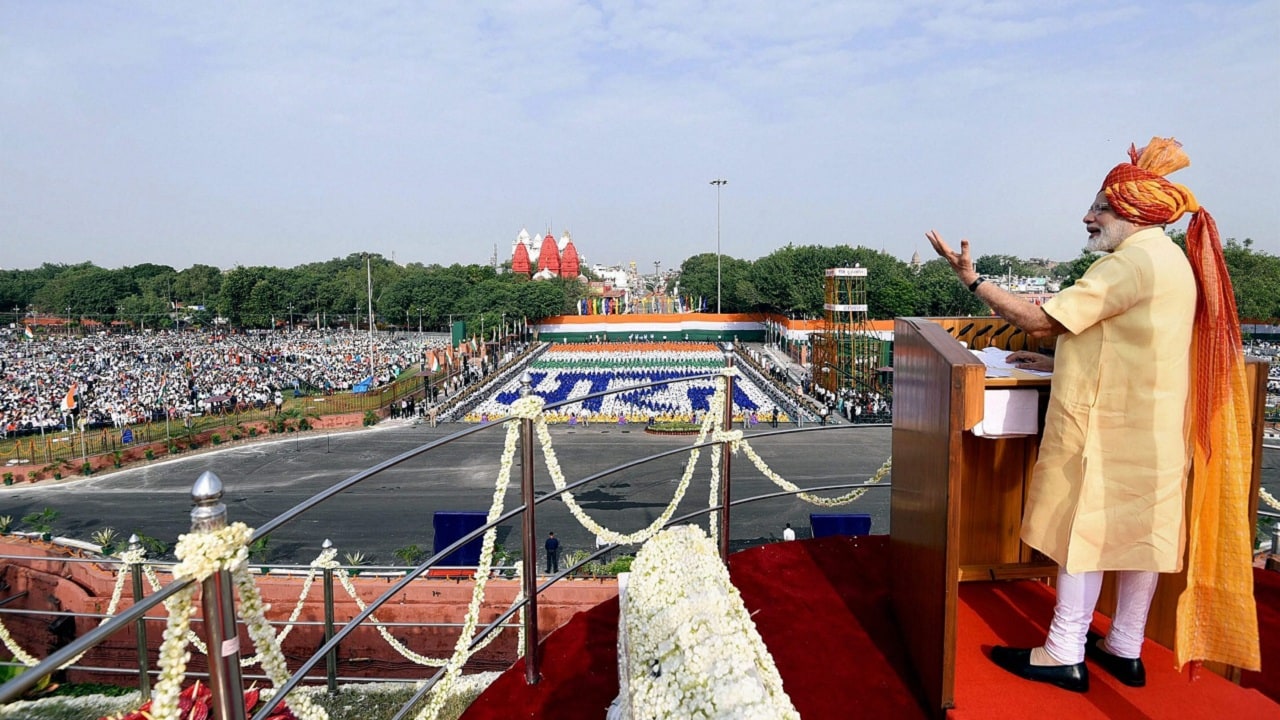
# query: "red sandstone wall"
[55,584]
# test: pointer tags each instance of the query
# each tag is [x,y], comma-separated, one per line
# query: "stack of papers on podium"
[998,364]
[1009,413]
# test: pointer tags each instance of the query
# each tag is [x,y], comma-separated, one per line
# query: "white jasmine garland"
[153,580]
[128,558]
[200,555]
[693,651]
[18,653]
[268,646]
[173,656]
[404,650]
[558,479]
[1268,498]
[813,499]
[445,687]
[323,560]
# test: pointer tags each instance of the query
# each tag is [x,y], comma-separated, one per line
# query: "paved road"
[394,509]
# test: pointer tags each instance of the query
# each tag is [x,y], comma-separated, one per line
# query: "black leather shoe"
[1018,661]
[1128,671]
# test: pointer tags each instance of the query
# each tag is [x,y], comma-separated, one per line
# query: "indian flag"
[69,402]
[26,330]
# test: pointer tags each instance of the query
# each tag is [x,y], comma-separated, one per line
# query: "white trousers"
[1077,597]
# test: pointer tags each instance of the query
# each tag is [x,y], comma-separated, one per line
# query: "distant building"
[554,258]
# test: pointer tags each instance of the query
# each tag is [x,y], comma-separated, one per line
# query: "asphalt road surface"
[394,509]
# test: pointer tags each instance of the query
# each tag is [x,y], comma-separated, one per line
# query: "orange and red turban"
[1217,619]
[1137,190]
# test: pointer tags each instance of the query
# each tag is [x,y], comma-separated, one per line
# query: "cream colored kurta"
[1108,488]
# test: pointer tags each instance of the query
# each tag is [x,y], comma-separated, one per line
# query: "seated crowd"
[127,379]
[576,371]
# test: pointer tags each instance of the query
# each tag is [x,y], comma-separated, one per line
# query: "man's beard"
[1107,239]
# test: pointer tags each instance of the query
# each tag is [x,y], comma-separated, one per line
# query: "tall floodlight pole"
[368,270]
[719,183]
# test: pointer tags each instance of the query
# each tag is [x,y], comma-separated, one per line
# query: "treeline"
[790,280]
[331,294]
[334,293]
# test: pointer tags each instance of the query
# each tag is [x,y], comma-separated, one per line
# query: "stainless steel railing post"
[144,676]
[220,631]
[726,424]
[531,656]
[331,658]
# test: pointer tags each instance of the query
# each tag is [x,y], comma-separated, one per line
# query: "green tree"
[942,295]
[1255,277]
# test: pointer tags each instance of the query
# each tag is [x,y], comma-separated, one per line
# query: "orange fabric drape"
[1217,619]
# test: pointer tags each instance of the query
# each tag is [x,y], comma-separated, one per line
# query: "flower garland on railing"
[128,558]
[403,649]
[734,439]
[447,688]
[324,559]
[692,649]
[814,499]
[531,407]
[1268,498]
[200,555]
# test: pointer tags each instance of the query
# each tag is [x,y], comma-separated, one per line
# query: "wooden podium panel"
[957,500]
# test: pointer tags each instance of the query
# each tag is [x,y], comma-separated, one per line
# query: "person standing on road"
[553,553]
[1140,393]
[788,533]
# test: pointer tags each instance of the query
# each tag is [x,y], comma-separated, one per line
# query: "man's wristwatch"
[973,286]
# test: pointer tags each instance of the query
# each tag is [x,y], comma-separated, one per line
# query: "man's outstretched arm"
[1029,317]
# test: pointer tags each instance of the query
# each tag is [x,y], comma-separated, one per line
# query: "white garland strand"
[734,438]
[814,499]
[400,647]
[268,645]
[128,558]
[200,555]
[1268,498]
[447,686]
[531,406]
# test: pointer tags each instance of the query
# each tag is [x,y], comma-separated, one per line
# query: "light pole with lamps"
[719,183]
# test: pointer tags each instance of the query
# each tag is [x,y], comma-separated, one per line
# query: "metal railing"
[219,611]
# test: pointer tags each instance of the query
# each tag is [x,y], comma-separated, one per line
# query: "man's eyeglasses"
[1099,208]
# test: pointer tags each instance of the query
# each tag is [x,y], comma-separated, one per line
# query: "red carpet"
[1266,592]
[1018,614]
[822,609]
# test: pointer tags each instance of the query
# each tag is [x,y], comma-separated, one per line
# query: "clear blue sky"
[277,133]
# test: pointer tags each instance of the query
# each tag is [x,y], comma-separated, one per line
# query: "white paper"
[1009,413]
[998,365]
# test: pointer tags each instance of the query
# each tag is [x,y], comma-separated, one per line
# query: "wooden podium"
[957,499]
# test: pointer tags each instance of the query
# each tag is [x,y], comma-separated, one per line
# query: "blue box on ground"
[854,524]
[453,525]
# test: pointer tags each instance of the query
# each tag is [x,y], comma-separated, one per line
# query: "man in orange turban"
[1110,482]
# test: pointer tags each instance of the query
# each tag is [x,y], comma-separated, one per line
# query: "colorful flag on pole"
[26,330]
[69,402]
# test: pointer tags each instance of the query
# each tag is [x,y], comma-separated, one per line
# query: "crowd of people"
[577,370]
[1269,351]
[52,383]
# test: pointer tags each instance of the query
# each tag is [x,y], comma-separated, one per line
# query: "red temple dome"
[549,256]
[569,261]
[520,261]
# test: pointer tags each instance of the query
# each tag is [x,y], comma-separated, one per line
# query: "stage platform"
[822,607]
